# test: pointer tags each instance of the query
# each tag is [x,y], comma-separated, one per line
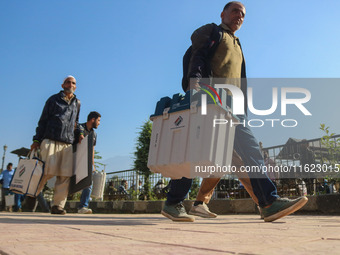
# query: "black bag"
[211,45]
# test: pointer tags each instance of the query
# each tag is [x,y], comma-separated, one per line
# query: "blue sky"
[126,55]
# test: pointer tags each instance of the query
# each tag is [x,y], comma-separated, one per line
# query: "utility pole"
[3,158]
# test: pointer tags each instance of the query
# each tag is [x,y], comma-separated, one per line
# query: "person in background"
[307,158]
[5,178]
[93,121]
[123,187]
[159,189]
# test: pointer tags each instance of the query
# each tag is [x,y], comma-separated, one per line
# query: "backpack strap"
[78,112]
[78,105]
[186,62]
[196,63]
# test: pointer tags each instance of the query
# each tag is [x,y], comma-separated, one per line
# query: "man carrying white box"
[223,58]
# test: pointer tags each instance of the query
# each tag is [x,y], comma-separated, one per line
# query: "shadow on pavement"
[74,220]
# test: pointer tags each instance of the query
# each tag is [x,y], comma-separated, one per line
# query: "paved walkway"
[38,233]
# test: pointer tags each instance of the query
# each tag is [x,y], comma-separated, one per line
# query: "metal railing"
[129,184]
[293,153]
[311,161]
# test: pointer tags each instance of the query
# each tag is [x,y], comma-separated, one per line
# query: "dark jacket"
[82,130]
[58,119]
[205,41]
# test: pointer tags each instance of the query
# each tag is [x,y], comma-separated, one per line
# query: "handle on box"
[33,153]
[166,113]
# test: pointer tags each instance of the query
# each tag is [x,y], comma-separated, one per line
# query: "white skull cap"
[68,76]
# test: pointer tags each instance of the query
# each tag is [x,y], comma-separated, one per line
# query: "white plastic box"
[185,143]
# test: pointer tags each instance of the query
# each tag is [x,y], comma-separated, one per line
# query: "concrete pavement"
[41,233]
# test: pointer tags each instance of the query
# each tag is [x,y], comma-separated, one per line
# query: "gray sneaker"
[282,207]
[261,213]
[85,210]
[176,212]
[202,210]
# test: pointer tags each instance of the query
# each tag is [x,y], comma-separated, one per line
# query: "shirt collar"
[227,29]
[63,96]
[87,128]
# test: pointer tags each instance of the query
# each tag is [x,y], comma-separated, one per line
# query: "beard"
[69,90]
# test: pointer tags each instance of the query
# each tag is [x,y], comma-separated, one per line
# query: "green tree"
[194,188]
[96,157]
[141,155]
[333,154]
[331,144]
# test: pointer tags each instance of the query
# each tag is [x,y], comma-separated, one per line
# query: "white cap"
[68,76]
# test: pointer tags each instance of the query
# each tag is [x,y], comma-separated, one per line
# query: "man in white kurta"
[54,136]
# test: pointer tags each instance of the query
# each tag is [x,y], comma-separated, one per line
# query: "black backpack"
[215,38]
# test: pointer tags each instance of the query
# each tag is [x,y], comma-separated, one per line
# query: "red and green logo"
[22,171]
[208,92]
[178,121]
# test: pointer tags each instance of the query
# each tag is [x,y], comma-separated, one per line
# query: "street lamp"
[3,158]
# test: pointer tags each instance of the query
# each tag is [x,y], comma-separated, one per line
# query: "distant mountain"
[118,163]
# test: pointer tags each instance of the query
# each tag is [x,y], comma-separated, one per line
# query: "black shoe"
[57,210]
[29,203]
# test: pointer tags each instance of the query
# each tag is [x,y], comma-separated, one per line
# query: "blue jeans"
[85,197]
[248,148]
[18,198]
[179,190]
